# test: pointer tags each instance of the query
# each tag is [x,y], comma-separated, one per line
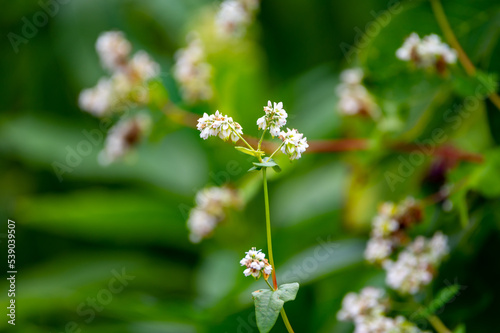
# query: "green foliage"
[268,304]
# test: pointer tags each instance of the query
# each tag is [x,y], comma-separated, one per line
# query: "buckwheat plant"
[268,303]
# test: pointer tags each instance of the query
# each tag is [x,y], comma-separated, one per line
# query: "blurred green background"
[75,234]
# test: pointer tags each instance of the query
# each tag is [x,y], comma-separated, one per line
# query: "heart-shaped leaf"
[267,163]
[268,304]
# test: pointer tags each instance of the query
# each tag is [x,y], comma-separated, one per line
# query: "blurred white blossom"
[388,228]
[274,119]
[99,99]
[354,99]
[219,125]
[192,72]
[113,50]
[122,137]
[211,204]
[428,52]
[416,265]
[129,78]
[256,264]
[234,16]
[368,312]
[294,143]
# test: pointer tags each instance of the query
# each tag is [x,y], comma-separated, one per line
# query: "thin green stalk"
[268,228]
[445,26]
[285,320]
[239,136]
[281,145]
[438,324]
[270,248]
[269,284]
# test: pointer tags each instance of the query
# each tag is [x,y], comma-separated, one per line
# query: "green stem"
[239,136]
[442,20]
[285,320]
[268,228]
[270,248]
[438,324]
[440,15]
[269,284]
[281,145]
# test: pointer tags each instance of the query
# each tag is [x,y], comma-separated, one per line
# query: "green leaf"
[256,153]
[460,329]
[267,163]
[268,304]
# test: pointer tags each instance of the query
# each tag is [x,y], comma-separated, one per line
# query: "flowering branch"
[268,303]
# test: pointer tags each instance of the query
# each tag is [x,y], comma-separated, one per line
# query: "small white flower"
[127,83]
[234,16]
[415,265]
[368,303]
[352,76]
[98,100]
[274,119]
[408,50]
[378,249]
[368,312]
[294,143]
[354,99]
[113,49]
[428,52]
[232,19]
[256,264]
[219,125]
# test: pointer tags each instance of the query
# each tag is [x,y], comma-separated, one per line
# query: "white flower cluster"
[354,99]
[234,16]
[274,119]
[219,125]
[416,264]
[128,80]
[367,311]
[193,72]
[256,264]
[211,204]
[122,137]
[294,143]
[388,228]
[428,52]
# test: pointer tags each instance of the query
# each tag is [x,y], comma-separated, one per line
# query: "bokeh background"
[74,234]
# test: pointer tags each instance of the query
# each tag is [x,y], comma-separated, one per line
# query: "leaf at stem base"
[268,304]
